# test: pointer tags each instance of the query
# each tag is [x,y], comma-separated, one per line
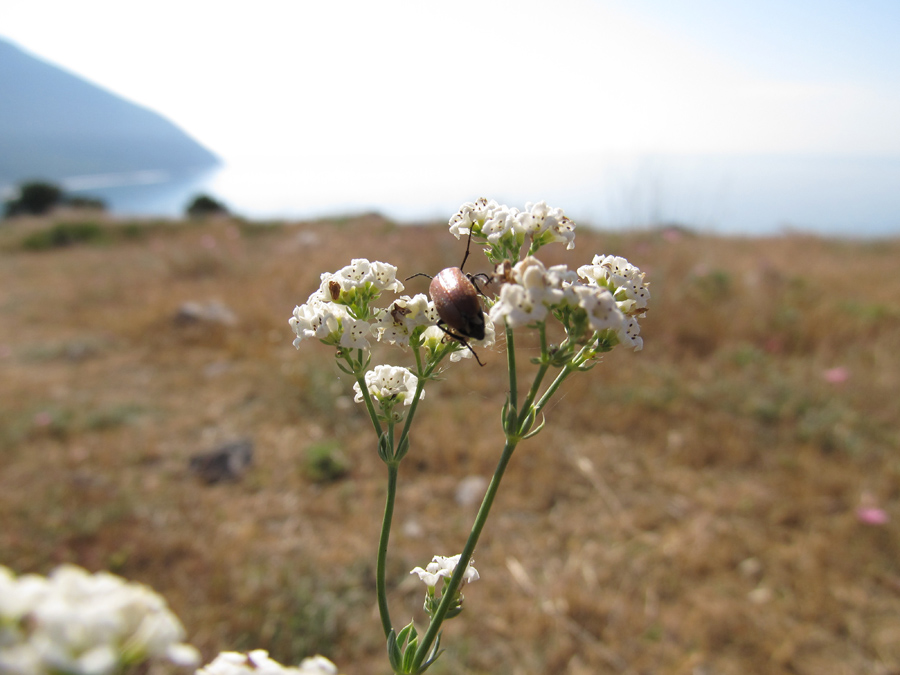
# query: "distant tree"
[35,198]
[204,205]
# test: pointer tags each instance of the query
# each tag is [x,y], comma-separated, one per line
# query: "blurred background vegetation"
[702,506]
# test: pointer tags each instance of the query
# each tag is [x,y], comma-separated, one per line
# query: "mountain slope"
[54,125]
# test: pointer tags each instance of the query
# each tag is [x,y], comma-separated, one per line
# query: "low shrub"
[65,234]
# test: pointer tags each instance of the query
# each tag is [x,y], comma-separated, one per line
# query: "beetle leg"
[459,338]
[486,277]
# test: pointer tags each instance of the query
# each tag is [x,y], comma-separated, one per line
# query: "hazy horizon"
[726,194]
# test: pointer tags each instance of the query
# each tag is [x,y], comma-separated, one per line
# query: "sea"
[747,195]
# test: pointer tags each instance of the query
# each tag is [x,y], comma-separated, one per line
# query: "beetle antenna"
[420,274]
[468,244]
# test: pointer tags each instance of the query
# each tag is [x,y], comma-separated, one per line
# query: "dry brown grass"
[689,509]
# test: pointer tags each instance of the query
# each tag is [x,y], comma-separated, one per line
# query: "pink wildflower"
[836,375]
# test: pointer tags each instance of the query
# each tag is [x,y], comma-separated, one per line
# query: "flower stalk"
[381,562]
[598,306]
[466,555]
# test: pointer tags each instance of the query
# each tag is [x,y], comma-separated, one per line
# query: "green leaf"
[508,417]
[536,430]
[402,449]
[385,451]
[405,631]
[433,655]
[393,651]
[410,654]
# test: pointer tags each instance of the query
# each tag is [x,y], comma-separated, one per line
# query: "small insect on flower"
[455,298]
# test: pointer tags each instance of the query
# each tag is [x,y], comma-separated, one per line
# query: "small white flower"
[19,596]
[560,276]
[499,222]
[600,305]
[323,320]
[532,291]
[316,318]
[395,323]
[258,662]
[355,333]
[487,342]
[449,564]
[389,384]
[443,568]
[359,273]
[183,655]
[471,213]
[317,665]
[622,278]
[629,335]
[530,273]
[539,221]
[432,338]
[518,306]
[385,276]
[431,574]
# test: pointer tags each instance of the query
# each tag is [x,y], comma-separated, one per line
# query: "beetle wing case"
[457,303]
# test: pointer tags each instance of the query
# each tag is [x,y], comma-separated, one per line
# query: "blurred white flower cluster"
[76,623]
[258,662]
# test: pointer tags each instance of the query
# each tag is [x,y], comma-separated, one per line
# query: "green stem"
[563,374]
[420,385]
[536,385]
[511,364]
[449,591]
[393,469]
[380,585]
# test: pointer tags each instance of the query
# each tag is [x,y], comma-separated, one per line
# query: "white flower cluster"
[395,324]
[77,623]
[531,292]
[360,273]
[318,318]
[389,385]
[443,568]
[339,313]
[499,224]
[434,339]
[258,662]
[622,278]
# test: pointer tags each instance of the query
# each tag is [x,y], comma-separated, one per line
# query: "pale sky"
[485,77]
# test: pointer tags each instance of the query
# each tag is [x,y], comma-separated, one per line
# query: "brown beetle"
[455,298]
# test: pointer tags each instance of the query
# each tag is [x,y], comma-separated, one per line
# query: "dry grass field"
[691,508]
